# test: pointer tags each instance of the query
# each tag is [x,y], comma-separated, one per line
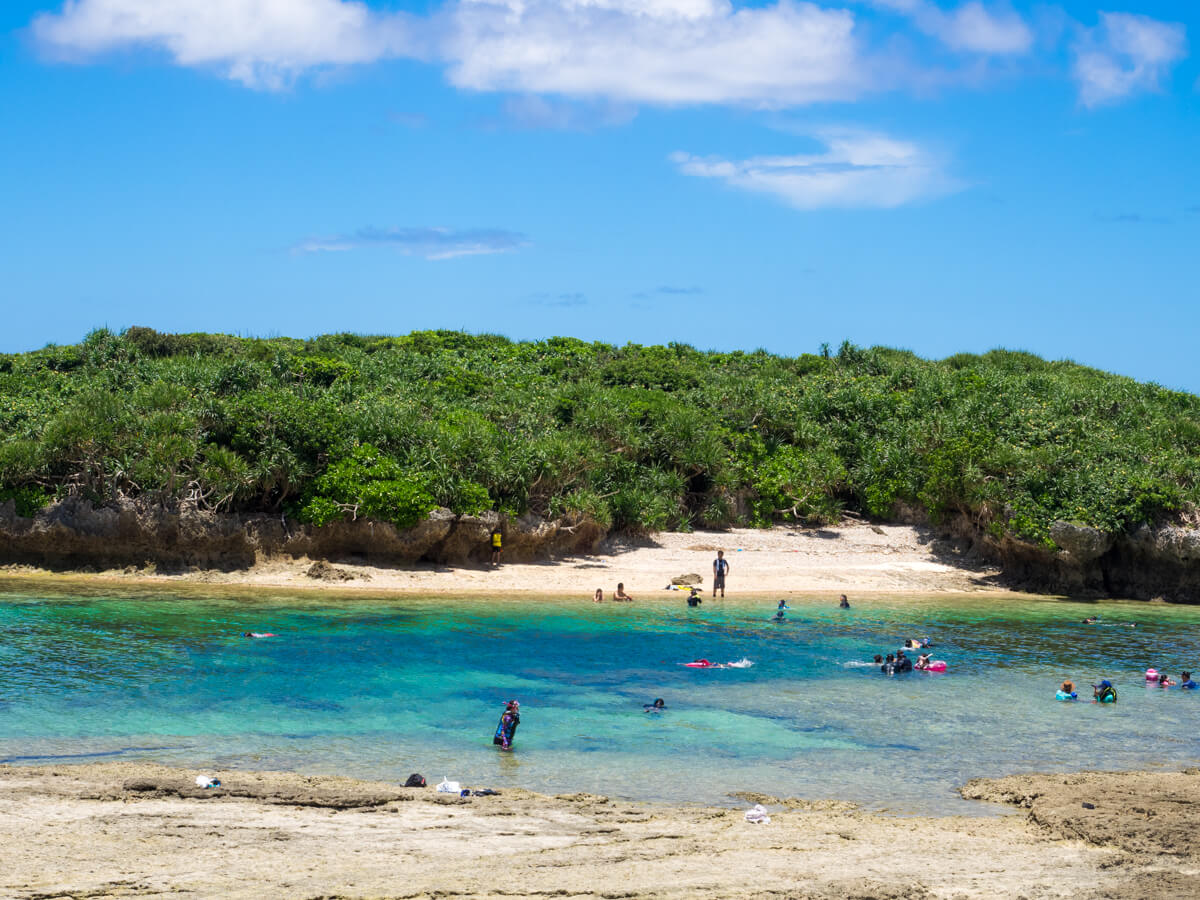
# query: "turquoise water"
[380,688]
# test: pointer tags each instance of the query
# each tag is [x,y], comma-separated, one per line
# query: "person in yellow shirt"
[497,545]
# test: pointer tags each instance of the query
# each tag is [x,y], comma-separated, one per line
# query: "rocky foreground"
[122,830]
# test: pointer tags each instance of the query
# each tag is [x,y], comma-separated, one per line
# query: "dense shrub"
[636,437]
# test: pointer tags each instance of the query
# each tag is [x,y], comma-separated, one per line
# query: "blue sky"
[938,176]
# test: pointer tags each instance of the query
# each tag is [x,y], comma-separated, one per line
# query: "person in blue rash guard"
[1186,683]
[1066,692]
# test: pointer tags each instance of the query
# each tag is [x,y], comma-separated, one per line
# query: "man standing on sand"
[497,545]
[720,570]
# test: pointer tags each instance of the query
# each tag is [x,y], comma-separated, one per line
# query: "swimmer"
[878,660]
[694,598]
[621,595]
[922,662]
[889,666]
[598,597]
[843,603]
[1090,620]
[1165,681]
[657,706]
[1186,683]
[783,605]
[903,663]
[1066,692]
[258,634]
[779,617]
[1104,692]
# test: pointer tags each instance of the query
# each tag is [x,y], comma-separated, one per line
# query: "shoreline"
[123,829]
[853,559]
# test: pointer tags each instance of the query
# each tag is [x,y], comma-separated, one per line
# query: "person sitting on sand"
[657,706]
[598,597]
[1104,692]
[621,595]
[1186,683]
[843,603]
[1066,692]
[1165,681]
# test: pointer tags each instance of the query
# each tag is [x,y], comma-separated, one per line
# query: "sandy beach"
[123,830]
[846,558]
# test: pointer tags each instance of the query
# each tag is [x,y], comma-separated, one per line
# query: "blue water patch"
[381,688]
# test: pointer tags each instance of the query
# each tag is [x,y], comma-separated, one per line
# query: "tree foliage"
[639,438]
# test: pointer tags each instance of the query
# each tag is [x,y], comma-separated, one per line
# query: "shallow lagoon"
[378,688]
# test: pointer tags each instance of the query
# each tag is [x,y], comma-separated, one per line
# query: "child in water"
[1066,692]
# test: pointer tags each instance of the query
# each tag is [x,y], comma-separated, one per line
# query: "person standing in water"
[507,728]
[720,570]
[843,603]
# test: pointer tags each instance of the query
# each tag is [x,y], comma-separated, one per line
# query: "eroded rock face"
[73,533]
[1081,543]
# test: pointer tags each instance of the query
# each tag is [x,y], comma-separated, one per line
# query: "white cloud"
[658,51]
[857,170]
[261,43]
[430,243]
[1126,54]
[971,27]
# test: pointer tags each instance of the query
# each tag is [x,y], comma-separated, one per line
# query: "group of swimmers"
[1105,692]
[620,596]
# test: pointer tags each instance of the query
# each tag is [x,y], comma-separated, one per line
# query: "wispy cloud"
[1132,218]
[565,299]
[531,111]
[857,170]
[430,243]
[971,27]
[1124,55]
[408,120]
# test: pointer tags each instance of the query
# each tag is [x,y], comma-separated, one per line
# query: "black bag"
[415,780]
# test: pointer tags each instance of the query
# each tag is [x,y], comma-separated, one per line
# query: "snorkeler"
[657,706]
[1104,692]
[1090,620]
[1066,692]
[507,728]
[694,598]
[258,634]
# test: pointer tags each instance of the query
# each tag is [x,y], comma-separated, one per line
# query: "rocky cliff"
[74,534]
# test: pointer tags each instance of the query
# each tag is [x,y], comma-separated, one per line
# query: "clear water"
[378,688]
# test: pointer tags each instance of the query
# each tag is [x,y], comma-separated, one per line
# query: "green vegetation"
[638,437]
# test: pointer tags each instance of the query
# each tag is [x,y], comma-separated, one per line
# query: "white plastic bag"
[207,781]
[758,815]
[449,787]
